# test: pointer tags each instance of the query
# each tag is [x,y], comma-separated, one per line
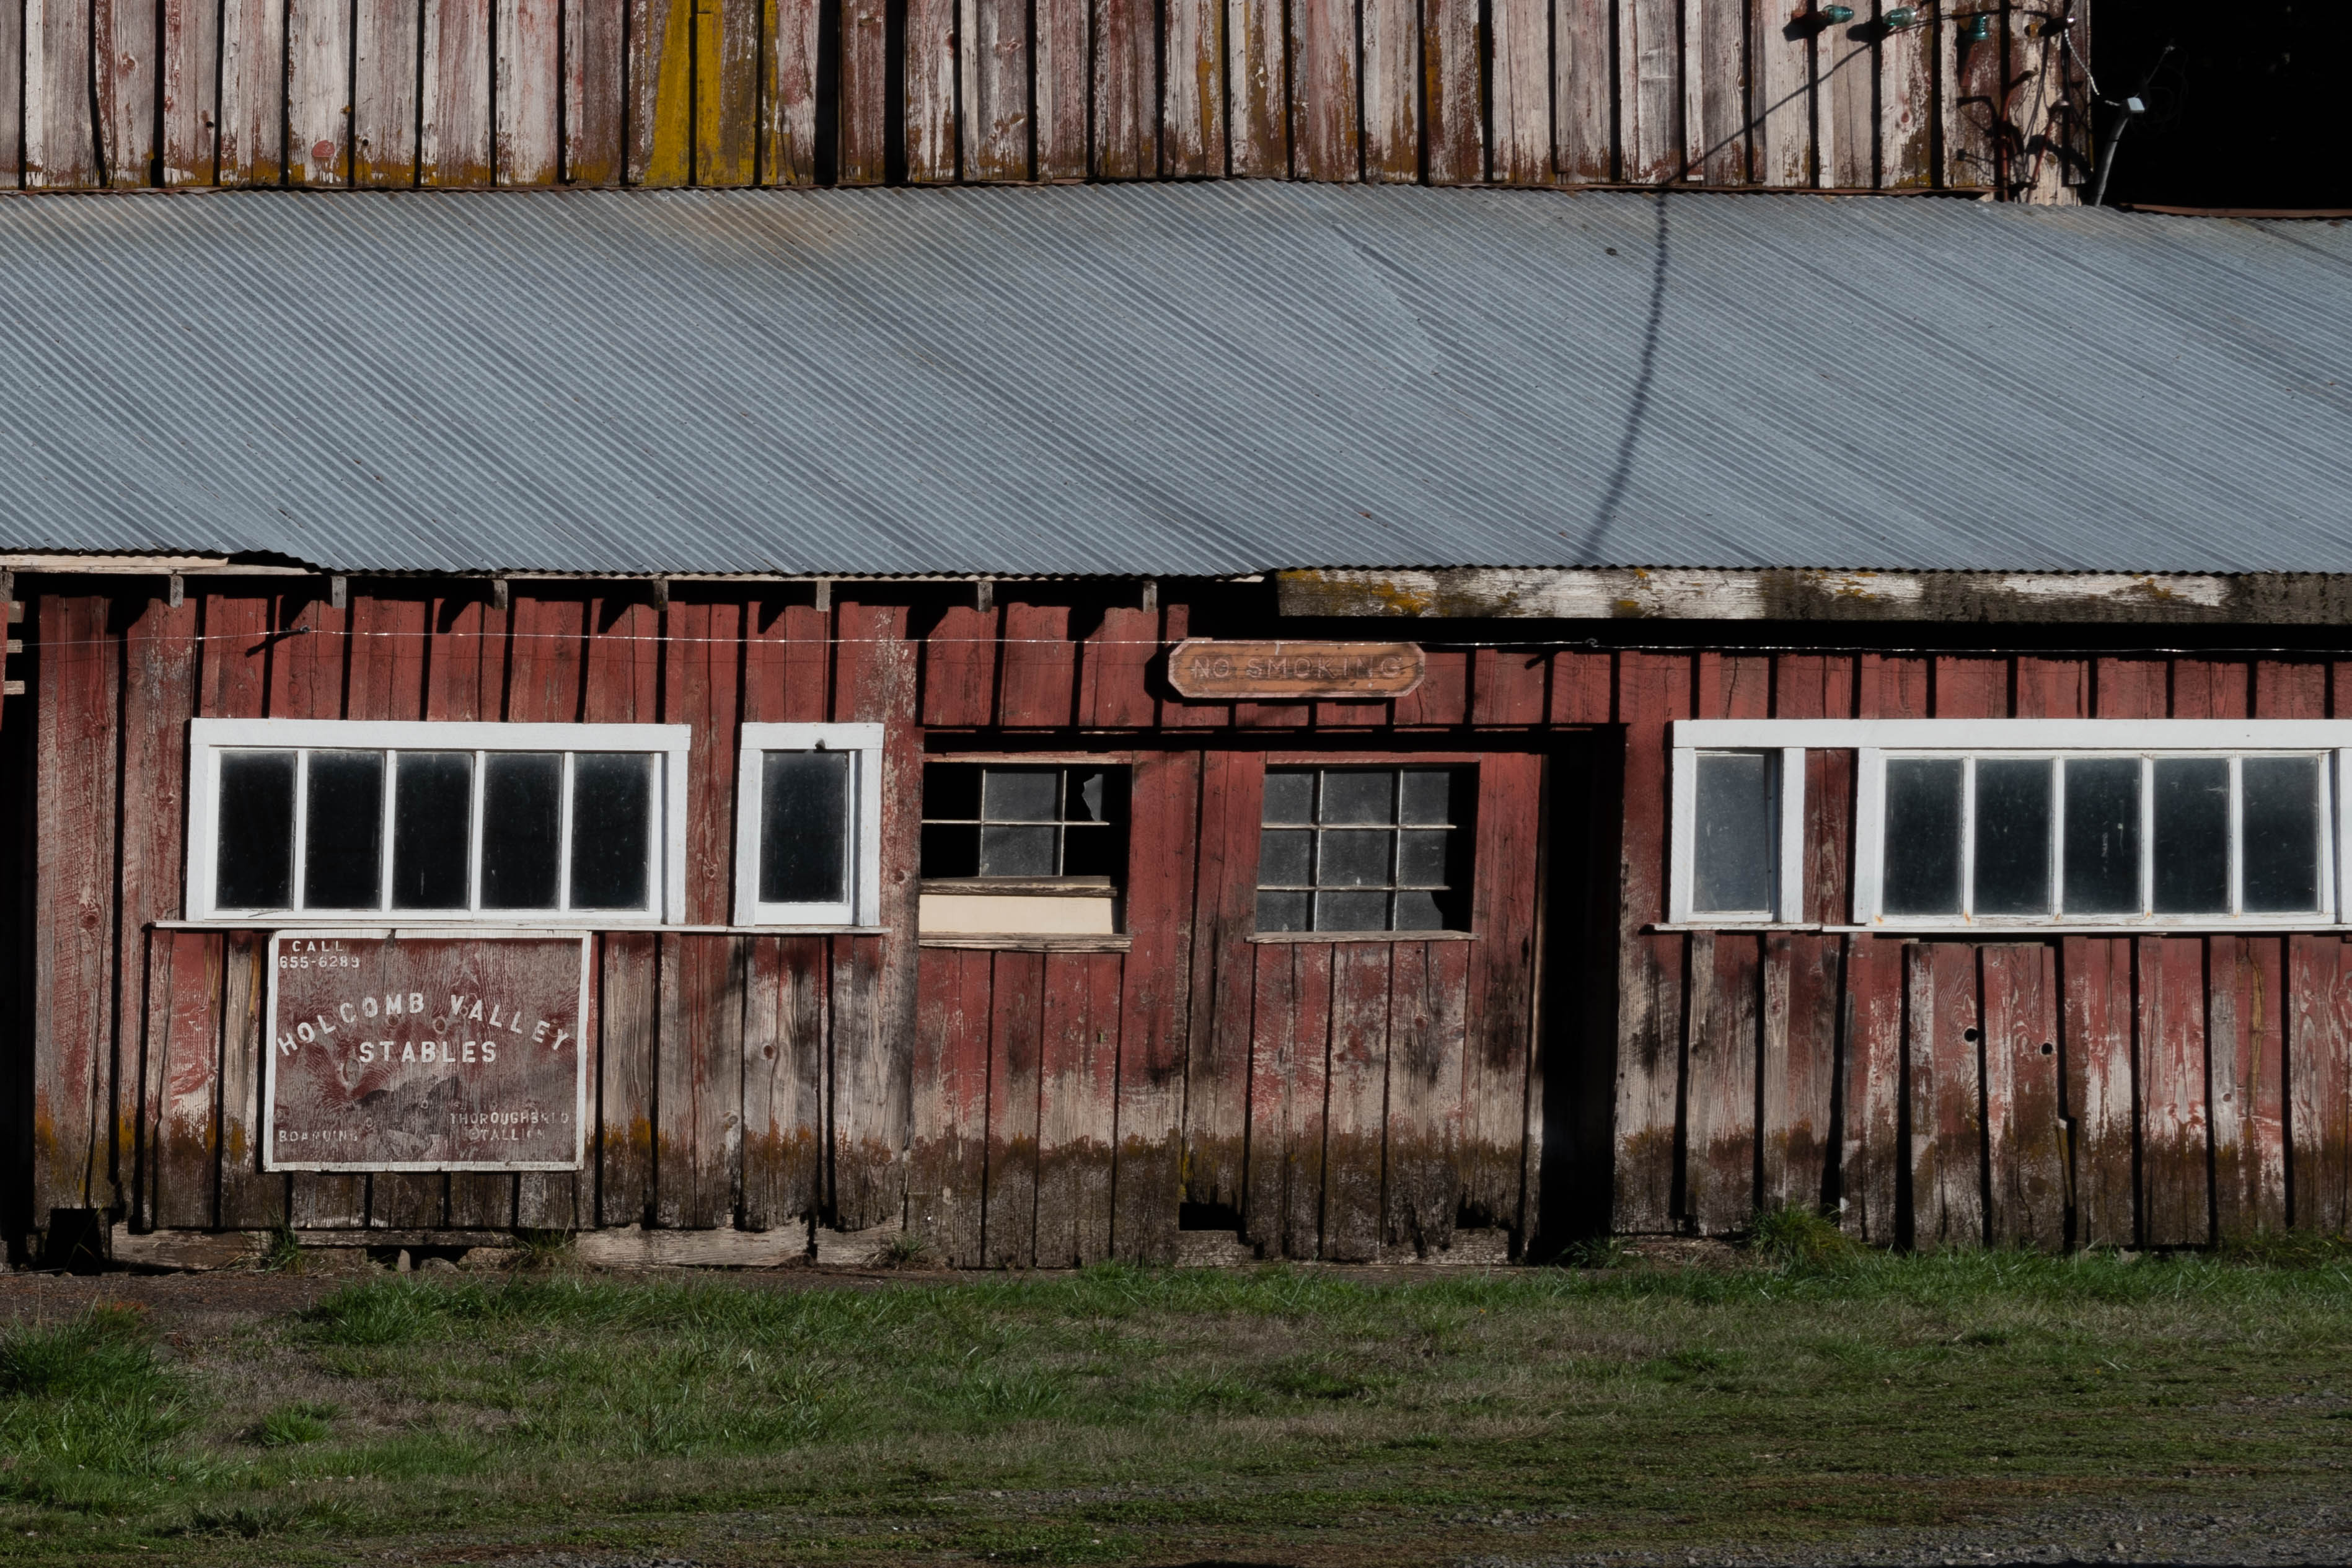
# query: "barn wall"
[1328,1099]
[377,93]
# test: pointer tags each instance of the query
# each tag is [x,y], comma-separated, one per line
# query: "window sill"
[1022,886]
[500,928]
[1008,941]
[1665,928]
[1298,936]
[2189,927]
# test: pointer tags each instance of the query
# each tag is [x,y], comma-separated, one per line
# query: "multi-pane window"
[431,821]
[1364,849]
[2103,835]
[1030,822]
[2015,822]
[808,809]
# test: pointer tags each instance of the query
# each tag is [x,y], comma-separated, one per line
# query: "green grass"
[1121,1415]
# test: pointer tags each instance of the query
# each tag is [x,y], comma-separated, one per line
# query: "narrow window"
[1014,823]
[2011,864]
[1922,867]
[2280,835]
[807,837]
[804,804]
[612,829]
[522,830]
[1737,829]
[2193,836]
[1363,850]
[432,829]
[253,867]
[2101,849]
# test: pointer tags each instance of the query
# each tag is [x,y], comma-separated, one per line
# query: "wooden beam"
[2258,598]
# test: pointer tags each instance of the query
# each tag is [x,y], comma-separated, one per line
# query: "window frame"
[1875,741]
[1787,807]
[209,738]
[1463,840]
[862,910]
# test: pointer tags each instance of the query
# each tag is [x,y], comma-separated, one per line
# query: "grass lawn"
[1277,1414]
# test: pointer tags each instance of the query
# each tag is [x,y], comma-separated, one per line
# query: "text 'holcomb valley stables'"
[1201,669]
[443,1053]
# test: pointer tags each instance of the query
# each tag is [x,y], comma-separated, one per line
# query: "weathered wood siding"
[1328,1100]
[733,92]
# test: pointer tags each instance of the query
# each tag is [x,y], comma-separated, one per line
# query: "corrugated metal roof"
[1171,379]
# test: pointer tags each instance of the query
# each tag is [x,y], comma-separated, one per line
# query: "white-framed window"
[808,825]
[2033,823]
[421,822]
[1736,856]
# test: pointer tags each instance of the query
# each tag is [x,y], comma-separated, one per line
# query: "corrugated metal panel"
[1172,380]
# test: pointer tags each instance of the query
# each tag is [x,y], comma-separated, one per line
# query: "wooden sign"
[425,1053]
[1284,671]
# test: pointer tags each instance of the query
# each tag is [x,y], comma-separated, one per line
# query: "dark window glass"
[1735,834]
[612,829]
[432,829]
[804,827]
[2279,834]
[342,852]
[1922,860]
[522,829]
[254,863]
[2193,836]
[1363,849]
[2102,850]
[2012,859]
[1023,822]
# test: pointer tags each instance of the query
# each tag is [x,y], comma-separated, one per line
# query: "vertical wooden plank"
[947,1161]
[994,59]
[1428,1005]
[1803,982]
[727,88]
[1715,96]
[1444,696]
[1164,797]
[1192,101]
[660,76]
[1907,105]
[1941,1041]
[317,91]
[454,130]
[1305,1102]
[1652,691]
[1325,132]
[1583,688]
[1126,90]
[960,670]
[2131,688]
[1016,1039]
[252,92]
[1078,1115]
[250,1197]
[701,1038]
[2052,687]
[628,1016]
[1501,1044]
[1649,90]
[595,102]
[1975,133]
[783,1081]
[124,55]
[187,1129]
[1871,1159]
[2246,1043]
[865,85]
[2025,1141]
[1114,671]
[928,108]
[873,1050]
[1725,989]
[1781,50]
[158,699]
[1356,1099]
[2319,1082]
[1258,35]
[1390,44]
[1453,127]
[1221,1116]
[2211,689]
[704,675]
[12,94]
[1520,77]
[2290,689]
[2174,1144]
[1972,688]
[1273,1041]
[789,44]
[189,70]
[1845,88]
[528,147]
[383,94]
[74,909]
[1041,667]
[1584,88]
[60,138]
[2096,976]
[1506,687]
